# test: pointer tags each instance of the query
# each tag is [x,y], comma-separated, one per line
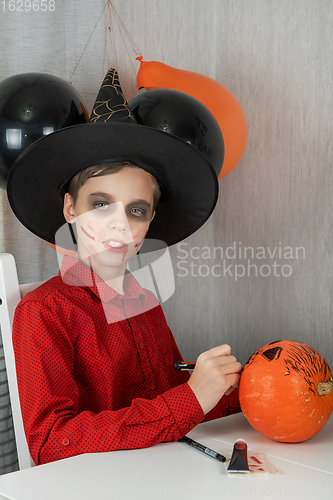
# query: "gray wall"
[276,57]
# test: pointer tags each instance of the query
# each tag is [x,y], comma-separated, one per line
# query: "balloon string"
[87,43]
[121,26]
[111,36]
[134,47]
[104,56]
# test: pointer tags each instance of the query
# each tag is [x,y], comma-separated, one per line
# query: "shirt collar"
[75,273]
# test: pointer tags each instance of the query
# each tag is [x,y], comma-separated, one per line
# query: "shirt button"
[151,387]
[65,442]
[142,346]
[192,426]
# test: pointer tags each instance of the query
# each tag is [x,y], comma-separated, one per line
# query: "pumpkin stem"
[325,387]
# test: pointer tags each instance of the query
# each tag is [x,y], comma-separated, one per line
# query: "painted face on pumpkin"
[112,215]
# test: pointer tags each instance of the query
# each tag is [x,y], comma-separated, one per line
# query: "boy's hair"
[99,170]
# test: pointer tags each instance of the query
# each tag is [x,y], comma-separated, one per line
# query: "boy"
[94,355]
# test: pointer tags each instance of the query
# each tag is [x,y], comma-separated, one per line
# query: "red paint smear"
[124,253]
[97,229]
[255,459]
[87,234]
[138,243]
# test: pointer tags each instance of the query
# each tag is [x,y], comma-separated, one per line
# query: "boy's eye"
[137,211]
[104,206]
[101,205]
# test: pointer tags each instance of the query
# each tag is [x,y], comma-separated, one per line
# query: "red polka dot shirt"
[95,369]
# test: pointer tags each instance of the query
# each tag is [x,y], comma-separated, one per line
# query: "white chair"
[10,295]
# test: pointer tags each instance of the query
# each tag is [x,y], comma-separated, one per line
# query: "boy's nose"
[118,220]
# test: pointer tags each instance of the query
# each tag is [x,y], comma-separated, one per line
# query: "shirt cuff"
[184,408]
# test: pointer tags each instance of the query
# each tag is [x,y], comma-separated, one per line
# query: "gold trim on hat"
[115,108]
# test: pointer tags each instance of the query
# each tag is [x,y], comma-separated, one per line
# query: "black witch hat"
[38,178]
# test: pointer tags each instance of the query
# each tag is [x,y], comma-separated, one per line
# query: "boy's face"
[112,215]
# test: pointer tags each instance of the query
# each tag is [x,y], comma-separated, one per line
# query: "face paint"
[97,229]
[136,235]
[124,253]
[115,250]
[138,243]
[87,234]
[114,219]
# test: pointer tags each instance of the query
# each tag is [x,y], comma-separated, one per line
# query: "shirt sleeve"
[55,426]
[228,405]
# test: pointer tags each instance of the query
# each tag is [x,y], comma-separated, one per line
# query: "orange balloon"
[217,98]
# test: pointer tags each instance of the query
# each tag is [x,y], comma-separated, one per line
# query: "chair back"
[10,295]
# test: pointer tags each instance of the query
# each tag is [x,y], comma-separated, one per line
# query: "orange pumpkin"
[286,391]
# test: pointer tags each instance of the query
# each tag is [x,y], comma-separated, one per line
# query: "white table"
[174,471]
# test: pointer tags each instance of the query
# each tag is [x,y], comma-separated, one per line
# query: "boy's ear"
[153,215]
[68,209]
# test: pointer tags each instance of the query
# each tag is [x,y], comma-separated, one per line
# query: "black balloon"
[182,115]
[33,105]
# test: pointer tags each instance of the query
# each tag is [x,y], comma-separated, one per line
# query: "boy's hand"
[216,373]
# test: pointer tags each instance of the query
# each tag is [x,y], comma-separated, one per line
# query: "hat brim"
[187,179]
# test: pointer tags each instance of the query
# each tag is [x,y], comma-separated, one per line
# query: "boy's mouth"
[115,244]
